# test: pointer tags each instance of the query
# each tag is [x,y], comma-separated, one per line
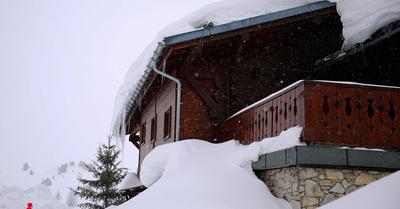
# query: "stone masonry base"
[307,188]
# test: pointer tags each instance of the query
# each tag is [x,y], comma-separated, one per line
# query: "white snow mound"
[198,174]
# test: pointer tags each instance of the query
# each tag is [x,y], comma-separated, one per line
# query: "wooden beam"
[203,93]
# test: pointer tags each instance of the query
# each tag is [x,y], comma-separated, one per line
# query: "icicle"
[119,133]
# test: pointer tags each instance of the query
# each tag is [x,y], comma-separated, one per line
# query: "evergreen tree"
[25,167]
[71,199]
[102,191]
[58,195]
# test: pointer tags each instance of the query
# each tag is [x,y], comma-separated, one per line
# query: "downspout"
[179,87]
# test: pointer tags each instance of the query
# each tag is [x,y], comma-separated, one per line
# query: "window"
[143,133]
[153,128]
[167,123]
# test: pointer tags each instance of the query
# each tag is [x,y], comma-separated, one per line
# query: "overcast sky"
[61,64]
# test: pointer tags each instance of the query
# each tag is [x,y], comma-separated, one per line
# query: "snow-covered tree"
[47,182]
[71,199]
[62,169]
[58,195]
[25,167]
[107,175]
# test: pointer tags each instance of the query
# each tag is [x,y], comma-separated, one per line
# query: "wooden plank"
[291,107]
[298,108]
[364,119]
[309,110]
[357,122]
[385,120]
[201,91]
[268,120]
[280,115]
[374,120]
[286,112]
[322,110]
[341,114]
[395,114]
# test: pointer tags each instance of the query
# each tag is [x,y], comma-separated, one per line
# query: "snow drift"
[198,174]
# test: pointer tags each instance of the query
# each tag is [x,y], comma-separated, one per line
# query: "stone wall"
[307,188]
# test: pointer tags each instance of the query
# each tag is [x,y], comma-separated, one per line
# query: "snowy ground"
[45,189]
[197,174]
[190,174]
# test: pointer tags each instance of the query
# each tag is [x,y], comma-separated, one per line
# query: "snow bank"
[198,174]
[40,196]
[360,18]
[383,193]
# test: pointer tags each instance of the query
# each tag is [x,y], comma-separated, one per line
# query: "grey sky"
[61,63]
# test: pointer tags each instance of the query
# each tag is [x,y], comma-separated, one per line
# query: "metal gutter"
[178,96]
[247,22]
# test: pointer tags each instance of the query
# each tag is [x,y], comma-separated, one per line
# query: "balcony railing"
[335,113]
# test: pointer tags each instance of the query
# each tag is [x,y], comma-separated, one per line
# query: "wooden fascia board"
[250,29]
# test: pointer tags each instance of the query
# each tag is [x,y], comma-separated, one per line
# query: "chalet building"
[197,81]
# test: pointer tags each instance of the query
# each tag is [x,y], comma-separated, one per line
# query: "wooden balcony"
[335,113]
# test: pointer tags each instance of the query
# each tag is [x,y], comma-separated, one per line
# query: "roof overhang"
[219,32]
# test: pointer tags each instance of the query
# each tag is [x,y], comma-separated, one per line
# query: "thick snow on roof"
[130,181]
[197,174]
[360,18]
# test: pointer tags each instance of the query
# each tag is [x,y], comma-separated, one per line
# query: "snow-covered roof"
[129,182]
[360,19]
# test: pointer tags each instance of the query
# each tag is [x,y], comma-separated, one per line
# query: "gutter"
[179,88]
[152,65]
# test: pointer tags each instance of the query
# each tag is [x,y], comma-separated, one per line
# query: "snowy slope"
[40,196]
[43,188]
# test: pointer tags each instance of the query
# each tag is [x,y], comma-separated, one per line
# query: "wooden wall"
[164,99]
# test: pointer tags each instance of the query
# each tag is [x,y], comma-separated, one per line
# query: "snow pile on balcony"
[197,174]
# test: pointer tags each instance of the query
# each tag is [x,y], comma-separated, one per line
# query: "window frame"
[167,123]
[143,133]
[153,134]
